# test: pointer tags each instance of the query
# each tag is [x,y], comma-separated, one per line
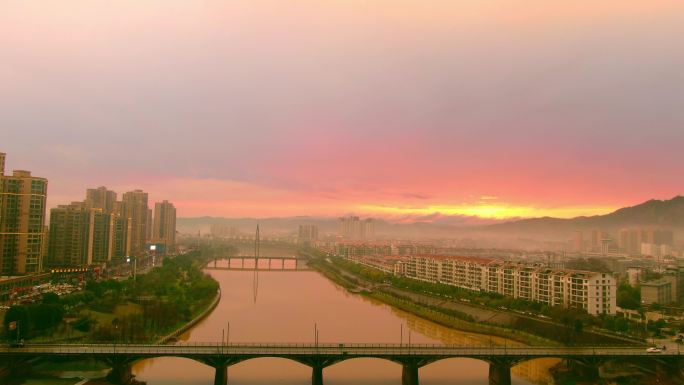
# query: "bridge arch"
[362,357]
[469,369]
[137,360]
[485,360]
[359,369]
[299,360]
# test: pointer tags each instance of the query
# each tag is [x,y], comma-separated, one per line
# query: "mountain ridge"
[652,213]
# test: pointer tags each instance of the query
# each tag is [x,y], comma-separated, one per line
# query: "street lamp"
[316,334]
[135,265]
[409,340]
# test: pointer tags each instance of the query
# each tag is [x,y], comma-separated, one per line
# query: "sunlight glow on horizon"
[499,211]
[410,110]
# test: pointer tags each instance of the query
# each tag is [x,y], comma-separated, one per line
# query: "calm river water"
[288,305]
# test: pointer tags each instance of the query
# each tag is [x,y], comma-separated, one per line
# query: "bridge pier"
[221,375]
[409,374]
[669,368]
[121,374]
[499,374]
[317,375]
[15,368]
[587,368]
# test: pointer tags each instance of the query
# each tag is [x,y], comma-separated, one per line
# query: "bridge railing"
[335,345]
[329,348]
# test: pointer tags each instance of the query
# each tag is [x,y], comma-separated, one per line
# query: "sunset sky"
[393,108]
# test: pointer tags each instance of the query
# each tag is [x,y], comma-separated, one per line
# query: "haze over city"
[400,109]
[341,192]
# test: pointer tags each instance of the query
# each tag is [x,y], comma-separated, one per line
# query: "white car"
[653,350]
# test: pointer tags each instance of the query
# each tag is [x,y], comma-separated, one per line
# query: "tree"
[20,315]
[621,325]
[50,298]
[628,297]
[45,316]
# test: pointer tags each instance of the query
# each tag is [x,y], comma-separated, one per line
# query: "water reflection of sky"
[289,305]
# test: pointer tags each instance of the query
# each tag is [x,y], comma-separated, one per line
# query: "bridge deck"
[261,257]
[365,350]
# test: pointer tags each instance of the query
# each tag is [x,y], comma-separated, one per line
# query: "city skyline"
[488,209]
[341,192]
[400,110]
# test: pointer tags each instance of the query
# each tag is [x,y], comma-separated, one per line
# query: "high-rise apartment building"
[353,228]
[149,225]
[81,236]
[101,235]
[629,241]
[134,207]
[122,239]
[308,234]
[657,236]
[164,225]
[111,231]
[597,240]
[22,221]
[369,229]
[68,235]
[101,198]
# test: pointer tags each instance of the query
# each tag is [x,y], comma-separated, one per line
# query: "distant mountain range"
[653,213]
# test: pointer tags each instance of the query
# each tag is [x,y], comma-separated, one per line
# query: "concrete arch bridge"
[319,356]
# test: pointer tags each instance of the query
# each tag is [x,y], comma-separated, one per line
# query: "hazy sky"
[327,107]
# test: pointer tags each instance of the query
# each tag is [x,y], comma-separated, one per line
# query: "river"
[285,307]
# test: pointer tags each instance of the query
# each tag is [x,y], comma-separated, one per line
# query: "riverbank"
[457,314]
[90,372]
[455,319]
[190,324]
[151,300]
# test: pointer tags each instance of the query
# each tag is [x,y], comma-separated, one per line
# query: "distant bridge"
[260,264]
[320,356]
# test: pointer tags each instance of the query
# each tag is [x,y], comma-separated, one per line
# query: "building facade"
[307,235]
[81,236]
[22,221]
[101,198]
[165,225]
[594,292]
[630,241]
[134,208]
[657,292]
[356,229]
